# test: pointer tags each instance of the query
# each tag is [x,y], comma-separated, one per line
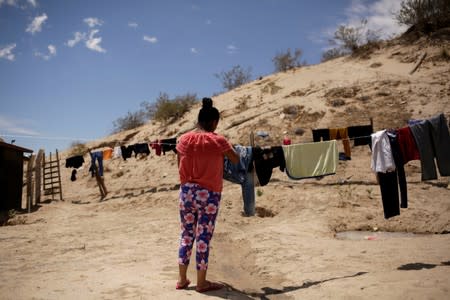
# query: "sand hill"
[310,239]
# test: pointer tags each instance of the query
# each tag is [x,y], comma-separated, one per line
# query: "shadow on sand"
[229,292]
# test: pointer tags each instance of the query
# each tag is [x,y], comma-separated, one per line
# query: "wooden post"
[50,164]
[418,63]
[252,143]
[37,175]
[59,176]
[30,183]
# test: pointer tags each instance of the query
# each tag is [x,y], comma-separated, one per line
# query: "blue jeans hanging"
[99,157]
[239,173]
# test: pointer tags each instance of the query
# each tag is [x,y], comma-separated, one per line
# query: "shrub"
[235,77]
[424,15]
[332,54]
[287,60]
[349,39]
[444,54]
[77,148]
[130,121]
[169,110]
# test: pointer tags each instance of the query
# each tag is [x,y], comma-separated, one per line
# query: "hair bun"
[207,102]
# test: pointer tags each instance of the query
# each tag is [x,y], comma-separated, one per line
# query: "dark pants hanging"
[389,193]
[321,134]
[390,182]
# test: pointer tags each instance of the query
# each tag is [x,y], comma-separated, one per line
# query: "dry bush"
[130,121]
[271,88]
[169,110]
[332,54]
[357,40]
[77,148]
[285,61]
[342,92]
[444,54]
[235,77]
[242,102]
[297,93]
[336,102]
[376,65]
[424,15]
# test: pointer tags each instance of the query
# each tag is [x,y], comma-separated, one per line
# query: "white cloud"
[8,2]
[194,51]
[52,49]
[208,22]
[133,24]
[78,36]
[380,16]
[11,126]
[92,22]
[51,53]
[150,39]
[7,53]
[232,49]
[36,24]
[93,43]
[33,3]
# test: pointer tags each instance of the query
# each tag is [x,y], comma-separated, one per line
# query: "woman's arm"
[232,155]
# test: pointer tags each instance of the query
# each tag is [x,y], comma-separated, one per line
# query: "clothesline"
[168,144]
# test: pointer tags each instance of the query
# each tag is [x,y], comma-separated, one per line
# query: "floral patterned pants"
[198,212]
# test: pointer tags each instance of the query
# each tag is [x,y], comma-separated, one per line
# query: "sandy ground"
[310,239]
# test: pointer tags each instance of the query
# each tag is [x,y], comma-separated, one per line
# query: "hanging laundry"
[383,164]
[342,134]
[155,145]
[311,159]
[360,134]
[107,154]
[73,177]
[74,161]
[126,151]
[169,145]
[414,122]
[96,156]
[141,148]
[321,134]
[117,152]
[388,183]
[240,173]
[433,141]
[382,160]
[399,167]
[407,144]
[266,159]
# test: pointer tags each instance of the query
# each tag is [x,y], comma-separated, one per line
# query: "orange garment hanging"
[342,134]
[107,154]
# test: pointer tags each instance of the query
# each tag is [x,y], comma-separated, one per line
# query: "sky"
[70,68]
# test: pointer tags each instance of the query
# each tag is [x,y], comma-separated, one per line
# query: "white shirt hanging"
[382,158]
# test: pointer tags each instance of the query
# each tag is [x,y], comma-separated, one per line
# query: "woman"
[200,162]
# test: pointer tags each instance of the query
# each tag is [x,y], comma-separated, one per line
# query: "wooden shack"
[11,175]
